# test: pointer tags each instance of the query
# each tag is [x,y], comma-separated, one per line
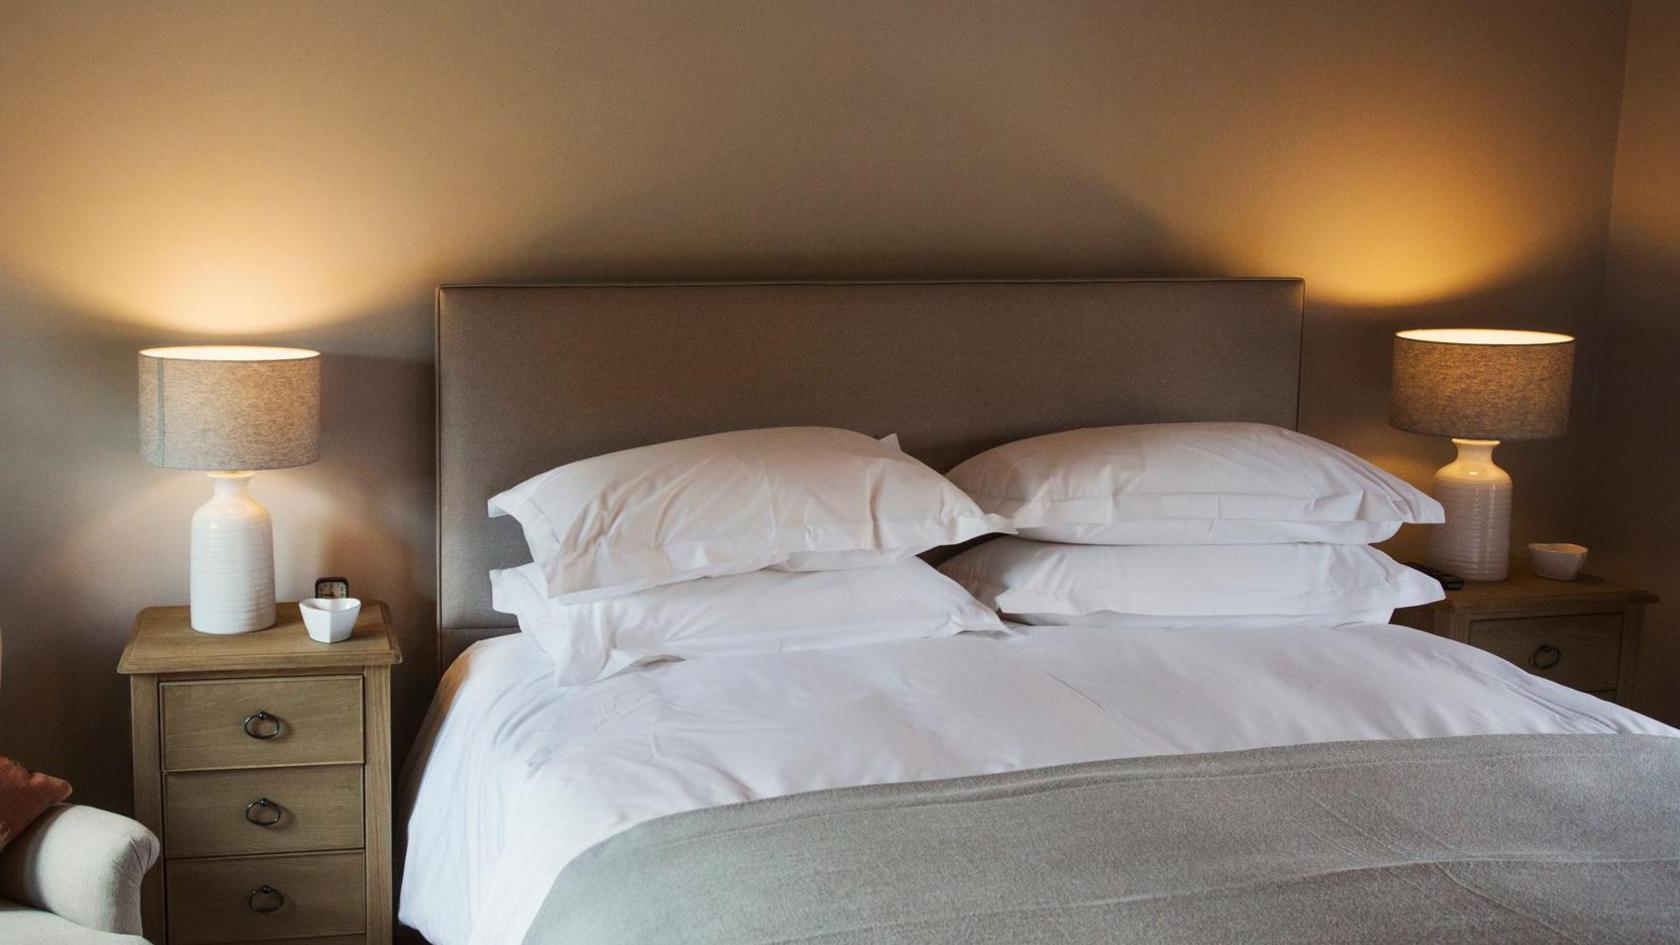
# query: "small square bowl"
[329,619]
[1560,561]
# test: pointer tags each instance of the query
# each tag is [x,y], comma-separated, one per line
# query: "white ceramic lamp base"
[1475,541]
[232,560]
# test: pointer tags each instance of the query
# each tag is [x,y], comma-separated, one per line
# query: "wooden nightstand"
[1582,633]
[263,760]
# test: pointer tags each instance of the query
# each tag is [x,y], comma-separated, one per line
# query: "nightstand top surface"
[1524,584]
[164,641]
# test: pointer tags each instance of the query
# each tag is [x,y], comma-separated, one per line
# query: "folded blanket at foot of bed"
[1485,839]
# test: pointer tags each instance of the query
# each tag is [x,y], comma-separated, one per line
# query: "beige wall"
[1633,521]
[306,172]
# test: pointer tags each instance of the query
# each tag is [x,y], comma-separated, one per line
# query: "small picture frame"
[332,587]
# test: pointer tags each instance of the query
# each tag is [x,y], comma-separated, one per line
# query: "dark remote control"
[1450,582]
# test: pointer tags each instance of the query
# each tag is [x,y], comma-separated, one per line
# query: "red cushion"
[25,796]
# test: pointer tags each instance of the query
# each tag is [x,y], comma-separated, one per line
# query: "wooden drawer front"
[211,901]
[319,718]
[1588,647]
[205,812]
[333,940]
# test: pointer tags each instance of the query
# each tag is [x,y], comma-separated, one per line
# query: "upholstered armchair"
[73,878]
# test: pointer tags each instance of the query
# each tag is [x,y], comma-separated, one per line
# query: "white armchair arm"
[82,864]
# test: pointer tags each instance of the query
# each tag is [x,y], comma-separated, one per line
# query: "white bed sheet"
[513,776]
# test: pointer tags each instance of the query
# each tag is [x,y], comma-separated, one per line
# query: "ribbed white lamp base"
[1475,541]
[232,560]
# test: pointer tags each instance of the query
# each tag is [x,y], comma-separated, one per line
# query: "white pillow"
[741,613]
[1053,582]
[1109,620]
[1190,483]
[802,498]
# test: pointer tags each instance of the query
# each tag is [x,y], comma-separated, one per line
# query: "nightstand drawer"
[224,900]
[222,813]
[249,723]
[1582,651]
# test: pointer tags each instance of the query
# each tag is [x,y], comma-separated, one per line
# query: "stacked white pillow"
[785,538]
[742,613]
[1185,524]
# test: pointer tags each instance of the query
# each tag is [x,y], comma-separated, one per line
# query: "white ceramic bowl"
[329,619]
[1560,561]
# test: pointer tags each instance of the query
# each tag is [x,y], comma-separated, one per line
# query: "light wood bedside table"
[1582,633]
[263,761]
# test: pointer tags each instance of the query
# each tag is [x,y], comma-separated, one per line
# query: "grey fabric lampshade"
[1482,384]
[230,408]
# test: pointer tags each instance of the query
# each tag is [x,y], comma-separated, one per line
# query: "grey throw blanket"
[1485,839]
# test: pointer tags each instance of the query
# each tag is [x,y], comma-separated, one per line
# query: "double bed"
[1061,784]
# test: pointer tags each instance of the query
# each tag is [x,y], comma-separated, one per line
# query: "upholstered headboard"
[529,377]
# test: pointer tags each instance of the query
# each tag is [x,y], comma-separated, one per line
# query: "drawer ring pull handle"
[1545,656]
[263,812]
[271,899]
[262,726]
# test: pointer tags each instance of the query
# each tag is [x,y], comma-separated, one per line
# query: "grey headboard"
[529,377]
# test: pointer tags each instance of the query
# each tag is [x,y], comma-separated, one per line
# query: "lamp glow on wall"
[230,410]
[1479,386]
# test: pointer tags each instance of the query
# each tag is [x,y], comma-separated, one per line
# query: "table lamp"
[230,410]
[1479,386]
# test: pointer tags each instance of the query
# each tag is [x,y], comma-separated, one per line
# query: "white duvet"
[513,776]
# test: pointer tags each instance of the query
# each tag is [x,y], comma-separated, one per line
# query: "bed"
[976,788]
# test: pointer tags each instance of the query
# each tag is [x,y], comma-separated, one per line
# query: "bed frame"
[530,377]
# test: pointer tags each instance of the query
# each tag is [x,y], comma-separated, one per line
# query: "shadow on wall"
[1634,509]
[80,547]
[1634,513]
[1044,221]
[365,510]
